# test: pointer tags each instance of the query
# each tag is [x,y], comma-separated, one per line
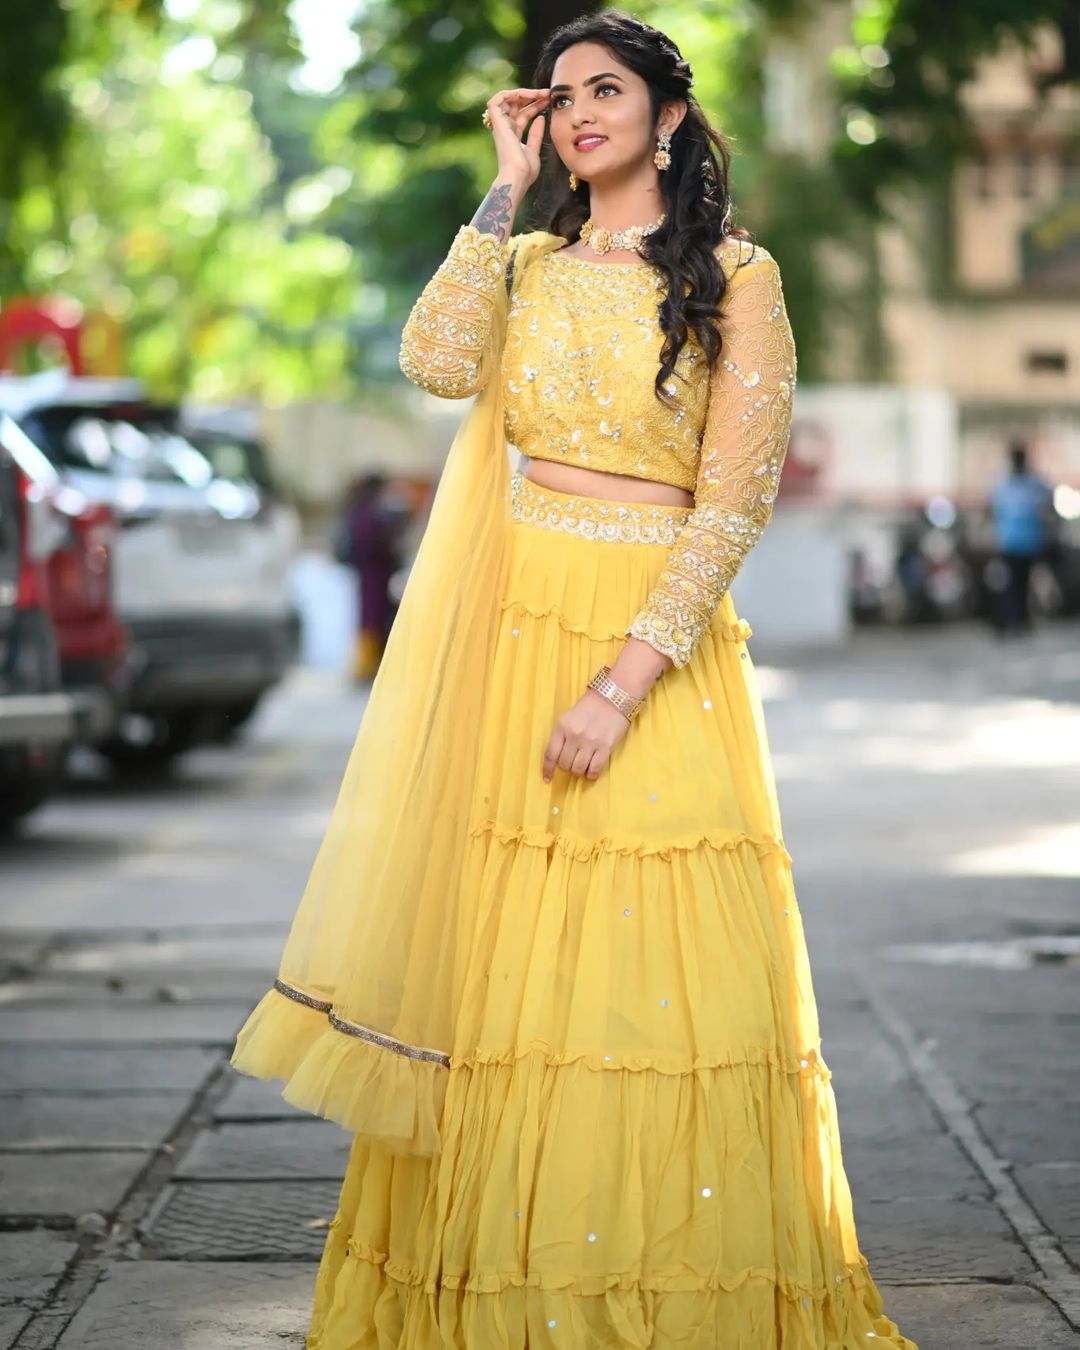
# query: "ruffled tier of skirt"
[576,1207]
[633,1139]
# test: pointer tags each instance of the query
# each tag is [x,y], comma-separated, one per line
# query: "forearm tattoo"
[496,213]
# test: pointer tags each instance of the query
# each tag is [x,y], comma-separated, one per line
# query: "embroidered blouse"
[578,365]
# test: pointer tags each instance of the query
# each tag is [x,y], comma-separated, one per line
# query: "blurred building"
[978,293]
[1003,332]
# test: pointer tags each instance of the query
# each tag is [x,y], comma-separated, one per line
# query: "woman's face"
[601,117]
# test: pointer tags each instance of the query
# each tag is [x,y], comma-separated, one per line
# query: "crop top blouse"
[578,365]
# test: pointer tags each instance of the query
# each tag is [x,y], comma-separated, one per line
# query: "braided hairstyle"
[697,204]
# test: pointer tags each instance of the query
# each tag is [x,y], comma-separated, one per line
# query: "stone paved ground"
[929,786]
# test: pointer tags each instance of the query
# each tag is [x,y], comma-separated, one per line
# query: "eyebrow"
[604,75]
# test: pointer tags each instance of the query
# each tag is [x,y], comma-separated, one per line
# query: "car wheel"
[38,777]
[154,742]
[233,717]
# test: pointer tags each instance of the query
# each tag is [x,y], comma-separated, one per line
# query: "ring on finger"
[486,118]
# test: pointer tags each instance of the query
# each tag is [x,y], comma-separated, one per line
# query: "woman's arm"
[743,450]
[447,345]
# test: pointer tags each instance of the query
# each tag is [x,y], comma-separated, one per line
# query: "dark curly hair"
[697,204]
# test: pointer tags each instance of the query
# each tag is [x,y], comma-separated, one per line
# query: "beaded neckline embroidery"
[595,262]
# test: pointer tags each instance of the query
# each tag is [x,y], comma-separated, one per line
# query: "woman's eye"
[560,100]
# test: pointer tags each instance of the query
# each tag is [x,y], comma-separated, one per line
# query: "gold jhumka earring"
[662,158]
[573,182]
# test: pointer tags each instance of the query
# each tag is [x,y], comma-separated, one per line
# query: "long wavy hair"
[697,203]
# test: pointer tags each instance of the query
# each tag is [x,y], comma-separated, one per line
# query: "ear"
[671,114]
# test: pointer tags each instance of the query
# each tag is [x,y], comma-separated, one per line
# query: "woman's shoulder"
[735,252]
[532,244]
[524,249]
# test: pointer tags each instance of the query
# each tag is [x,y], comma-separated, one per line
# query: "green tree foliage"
[254,235]
[901,80]
[166,215]
[34,114]
[408,126]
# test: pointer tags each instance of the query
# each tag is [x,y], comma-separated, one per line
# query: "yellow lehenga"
[572,1024]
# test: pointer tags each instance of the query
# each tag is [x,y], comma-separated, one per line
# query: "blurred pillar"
[541,17]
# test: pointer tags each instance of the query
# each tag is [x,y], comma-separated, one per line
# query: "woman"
[549,967]
[372,538]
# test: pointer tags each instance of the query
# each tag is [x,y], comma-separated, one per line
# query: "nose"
[581,115]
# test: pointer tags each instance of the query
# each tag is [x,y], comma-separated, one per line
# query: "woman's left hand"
[584,737]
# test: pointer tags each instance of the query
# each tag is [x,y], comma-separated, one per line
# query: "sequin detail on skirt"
[593,517]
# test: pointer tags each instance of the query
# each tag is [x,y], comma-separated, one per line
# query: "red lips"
[588,141]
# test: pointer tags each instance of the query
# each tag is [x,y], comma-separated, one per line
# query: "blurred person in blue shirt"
[1022,509]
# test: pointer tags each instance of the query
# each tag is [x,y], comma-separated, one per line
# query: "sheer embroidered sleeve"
[743,449]
[447,344]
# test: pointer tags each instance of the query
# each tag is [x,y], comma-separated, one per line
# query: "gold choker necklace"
[602,241]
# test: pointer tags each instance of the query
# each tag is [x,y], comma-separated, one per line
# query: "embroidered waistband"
[595,517]
[379,1038]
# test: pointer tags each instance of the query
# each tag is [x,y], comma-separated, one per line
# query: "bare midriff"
[619,487]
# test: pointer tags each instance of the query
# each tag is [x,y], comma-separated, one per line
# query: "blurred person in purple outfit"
[371,535]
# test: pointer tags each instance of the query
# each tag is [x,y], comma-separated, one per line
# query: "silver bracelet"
[626,703]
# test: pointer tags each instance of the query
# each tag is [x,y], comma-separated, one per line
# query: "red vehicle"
[75,540]
[92,643]
[36,717]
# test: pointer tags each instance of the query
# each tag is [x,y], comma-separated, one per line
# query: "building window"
[1070,172]
[1025,173]
[982,176]
[1047,362]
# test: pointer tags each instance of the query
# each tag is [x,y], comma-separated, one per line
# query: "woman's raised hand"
[510,112]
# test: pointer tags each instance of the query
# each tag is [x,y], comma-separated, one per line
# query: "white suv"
[203,562]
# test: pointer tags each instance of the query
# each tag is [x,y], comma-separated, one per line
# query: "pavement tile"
[882,1116]
[915,1166]
[309,1149]
[12,1321]
[1025,1133]
[975,989]
[990,1316]
[194,1024]
[254,950]
[112,1068]
[246,1220]
[21,951]
[928,1238]
[993,1061]
[252,1099]
[121,988]
[65,1185]
[51,1120]
[236,1306]
[31,1263]
[1054,1192]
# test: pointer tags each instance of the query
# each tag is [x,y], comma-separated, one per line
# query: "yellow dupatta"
[359,1023]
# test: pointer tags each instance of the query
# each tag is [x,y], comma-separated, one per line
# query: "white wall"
[792,588]
[876,443]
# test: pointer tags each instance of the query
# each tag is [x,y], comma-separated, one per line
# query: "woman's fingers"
[535,139]
[566,754]
[524,95]
[551,754]
[517,106]
[580,763]
[526,111]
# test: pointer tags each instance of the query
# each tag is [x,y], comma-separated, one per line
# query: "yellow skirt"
[639,1142]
